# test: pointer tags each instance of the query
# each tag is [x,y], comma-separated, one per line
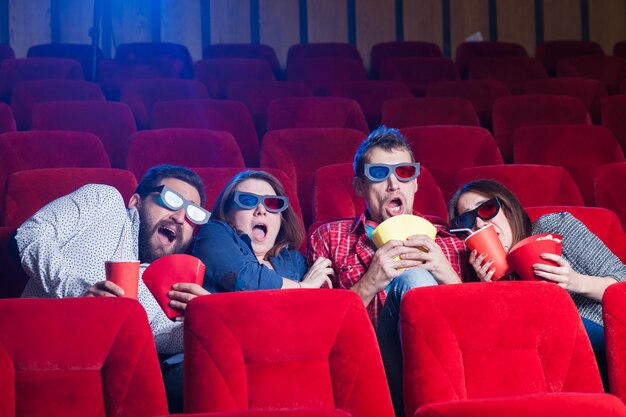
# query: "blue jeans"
[596,337]
[388,330]
[172,371]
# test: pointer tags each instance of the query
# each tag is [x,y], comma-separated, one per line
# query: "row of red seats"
[463,354]
[299,152]
[445,150]
[481,94]
[417,73]
[158,104]
[549,53]
[415,63]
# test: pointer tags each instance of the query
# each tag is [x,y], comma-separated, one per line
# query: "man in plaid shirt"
[386,177]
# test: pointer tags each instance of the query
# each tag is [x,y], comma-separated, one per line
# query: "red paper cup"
[486,240]
[527,253]
[124,274]
[169,270]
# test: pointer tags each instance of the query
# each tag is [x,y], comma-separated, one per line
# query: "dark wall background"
[282,23]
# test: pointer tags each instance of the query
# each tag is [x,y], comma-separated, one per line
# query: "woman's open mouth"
[259,231]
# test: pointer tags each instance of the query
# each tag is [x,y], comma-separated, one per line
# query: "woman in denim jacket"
[251,241]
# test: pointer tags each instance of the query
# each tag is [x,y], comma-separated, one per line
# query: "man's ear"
[134,201]
[357,183]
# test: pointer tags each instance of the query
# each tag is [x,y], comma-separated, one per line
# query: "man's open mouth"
[167,234]
[395,207]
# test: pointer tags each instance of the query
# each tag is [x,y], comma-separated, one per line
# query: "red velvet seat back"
[83,53]
[218,73]
[230,116]
[300,152]
[619,49]
[602,222]
[315,49]
[112,122]
[6,52]
[370,95]
[141,95]
[534,185]
[257,96]
[408,112]
[513,71]
[418,72]
[384,50]
[112,75]
[20,151]
[533,405]
[319,72]
[579,149]
[482,94]
[299,412]
[609,190]
[322,49]
[445,150]
[28,93]
[481,340]
[613,111]
[215,179]
[614,316]
[14,71]
[155,52]
[550,53]
[7,122]
[589,91]
[510,113]
[184,147]
[78,357]
[243,50]
[28,191]
[316,112]
[467,51]
[609,70]
[13,279]
[283,350]
[334,196]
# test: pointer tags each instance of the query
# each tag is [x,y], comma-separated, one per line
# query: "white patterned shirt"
[63,248]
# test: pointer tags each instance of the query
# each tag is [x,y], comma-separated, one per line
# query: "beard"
[150,247]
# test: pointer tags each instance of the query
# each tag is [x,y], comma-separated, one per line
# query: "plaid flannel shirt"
[346,244]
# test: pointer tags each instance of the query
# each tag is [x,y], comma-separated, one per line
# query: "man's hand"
[429,256]
[105,289]
[383,269]
[182,293]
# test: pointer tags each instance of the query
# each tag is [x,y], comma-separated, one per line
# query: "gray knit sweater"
[586,254]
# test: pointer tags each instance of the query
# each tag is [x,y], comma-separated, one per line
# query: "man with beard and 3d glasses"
[64,246]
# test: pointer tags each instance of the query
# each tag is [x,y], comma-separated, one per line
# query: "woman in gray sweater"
[585,268]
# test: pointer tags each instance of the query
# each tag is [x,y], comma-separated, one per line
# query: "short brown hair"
[290,233]
[386,138]
[519,221]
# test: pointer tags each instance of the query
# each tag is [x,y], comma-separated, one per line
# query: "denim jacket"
[231,265]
